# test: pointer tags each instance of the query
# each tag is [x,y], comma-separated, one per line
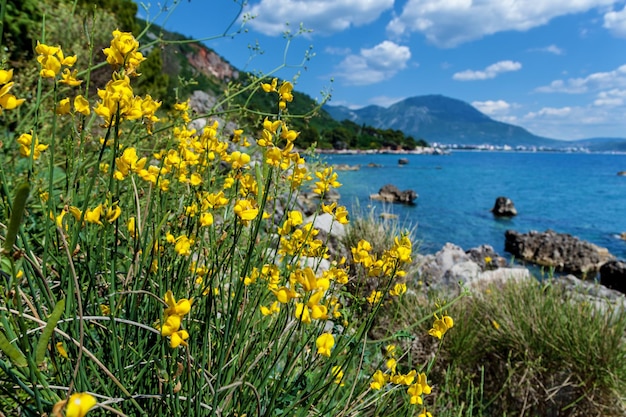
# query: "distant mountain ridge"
[445,120]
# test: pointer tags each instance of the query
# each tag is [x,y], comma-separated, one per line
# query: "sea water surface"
[576,193]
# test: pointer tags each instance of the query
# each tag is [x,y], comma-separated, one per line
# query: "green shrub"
[144,274]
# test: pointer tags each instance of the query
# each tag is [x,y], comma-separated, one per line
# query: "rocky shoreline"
[452,269]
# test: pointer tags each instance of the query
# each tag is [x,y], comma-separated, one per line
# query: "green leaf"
[12,352]
[17,211]
[40,352]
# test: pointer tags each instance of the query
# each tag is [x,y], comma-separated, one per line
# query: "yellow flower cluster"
[285,92]
[327,180]
[172,319]
[7,101]
[339,213]
[300,240]
[441,326]
[51,59]
[106,212]
[123,52]
[26,144]
[389,264]
[416,383]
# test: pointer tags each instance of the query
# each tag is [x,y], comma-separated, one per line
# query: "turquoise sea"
[576,193]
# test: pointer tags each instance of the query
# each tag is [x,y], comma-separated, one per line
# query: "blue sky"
[554,67]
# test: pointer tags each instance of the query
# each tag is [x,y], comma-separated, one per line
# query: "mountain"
[444,120]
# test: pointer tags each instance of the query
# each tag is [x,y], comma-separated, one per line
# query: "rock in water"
[613,275]
[391,194]
[504,207]
[561,251]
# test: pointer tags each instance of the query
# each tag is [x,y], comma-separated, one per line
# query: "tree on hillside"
[153,80]
[21,22]
[124,10]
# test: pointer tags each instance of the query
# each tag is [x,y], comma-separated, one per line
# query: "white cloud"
[385,101]
[492,107]
[336,50]
[321,16]
[593,82]
[490,72]
[610,98]
[448,23]
[616,22]
[552,49]
[549,112]
[576,122]
[373,65]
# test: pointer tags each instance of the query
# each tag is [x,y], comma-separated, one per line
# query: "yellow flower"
[325,343]
[79,404]
[43,49]
[284,294]
[5,76]
[268,88]
[338,374]
[246,210]
[206,219]
[61,350]
[397,290]
[69,78]
[112,213]
[378,380]
[93,215]
[25,141]
[302,313]
[327,180]
[415,394]
[178,338]
[272,309]
[441,326]
[63,107]
[183,245]
[50,66]
[171,325]
[239,159]
[374,297]
[180,307]
[7,101]
[285,94]
[130,225]
[341,214]
[123,51]
[81,105]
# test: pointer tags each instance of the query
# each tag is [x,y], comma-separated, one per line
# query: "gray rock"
[325,223]
[504,207]
[602,298]
[452,266]
[613,275]
[561,251]
[486,257]
[391,194]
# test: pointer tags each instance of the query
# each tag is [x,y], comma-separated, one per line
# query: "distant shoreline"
[448,150]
